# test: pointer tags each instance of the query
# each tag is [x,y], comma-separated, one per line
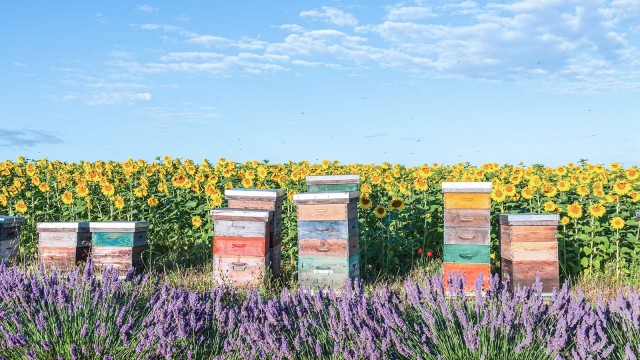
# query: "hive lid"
[466,187]
[119,226]
[333,179]
[529,218]
[62,227]
[11,221]
[340,195]
[241,214]
[267,194]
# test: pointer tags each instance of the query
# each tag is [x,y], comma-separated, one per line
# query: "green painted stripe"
[332,187]
[126,239]
[464,253]
[329,269]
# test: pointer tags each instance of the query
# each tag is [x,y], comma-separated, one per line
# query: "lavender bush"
[82,315]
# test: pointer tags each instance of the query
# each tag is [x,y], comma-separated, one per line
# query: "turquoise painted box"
[119,233]
[327,271]
[466,253]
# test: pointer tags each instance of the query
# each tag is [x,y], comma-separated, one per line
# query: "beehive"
[241,252]
[63,244]
[10,236]
[333,183]
[259,199]
[529,247]
[328,241]
[118,244]
[467,231]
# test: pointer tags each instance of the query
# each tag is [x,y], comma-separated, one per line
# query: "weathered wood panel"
[470,272]
[466,218]
[328,247]
[9,249]
[477,254]
[241,228]
[529,269]
[119,239]
[467,201]
[275,206]
[62,257]
[530,233]
[67,227]
[120,258]
[466,235]
[119,226]
[332,179]
[228,214]
[326,198]
[529,219]
[11,221]
[329,229]
[9,233]
[332,187]
[258,194]
[240,246]
[64,239]
[532,251]
[327,212]
[276,261]
[241,271]
[467,187]
[330,271]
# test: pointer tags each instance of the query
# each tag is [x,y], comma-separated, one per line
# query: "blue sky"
[413,82]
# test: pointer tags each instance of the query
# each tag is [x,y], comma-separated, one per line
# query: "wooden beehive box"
[328,241]
[333,183]
[467,231]
[241,241]
[63,244]
[118,244]
[9,236]
[529,247]
[259,199]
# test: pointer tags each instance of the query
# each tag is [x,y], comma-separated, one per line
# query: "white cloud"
[409,13]
[332,15]
[113,98]
[146,8]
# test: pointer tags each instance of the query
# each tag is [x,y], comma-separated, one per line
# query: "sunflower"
[615,166]
[216,200]
[561,170]
[119,202]
[617,223]
[380,212]
[598,193]
[596,210]
[563,185]
[527,193]
[181,181]
[247,182]
[574,210]
[549,190]
[196,221]
[498,194]
[583,190]
[366,189]
[622,188]
[82,190]
[44,187]
[153,202]
[35,180]
[31,169]
[376,179]
[21,207]
[396,204]
[550,206]
[3,200]
[108,189]
[420,185]
[67,198]
[228,185]
[635,196]
[633,174]
[564,221]
[365,202]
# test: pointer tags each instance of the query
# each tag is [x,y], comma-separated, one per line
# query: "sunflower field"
[400,209]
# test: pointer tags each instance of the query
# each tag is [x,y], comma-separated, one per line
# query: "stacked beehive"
[263,200]
[467,231]
[241,253]
[118,244]
[9,236]
[529,247]
[63,244]
[328,240]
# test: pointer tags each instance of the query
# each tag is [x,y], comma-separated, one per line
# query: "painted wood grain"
[505,243]
[532,233]
[328,247]
[272,194]
[457,253]
[467,217]
[466,235]
[62,257]
[529,269]
[328,229]
[11,221]
[328,269]
[118,226]
[239,270]
[326,197]
[64,239]
[9,233]
[332,179]
[241,228]
[332,187]
[529,223]
[9,249]
[66,227]
[467,201]
[119,239]
[532,251]
[258,205]
[240,246]
[119,258]
[470,272]
[276,261]
[467,187]
[530,219]
[327,212]
[228,214]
